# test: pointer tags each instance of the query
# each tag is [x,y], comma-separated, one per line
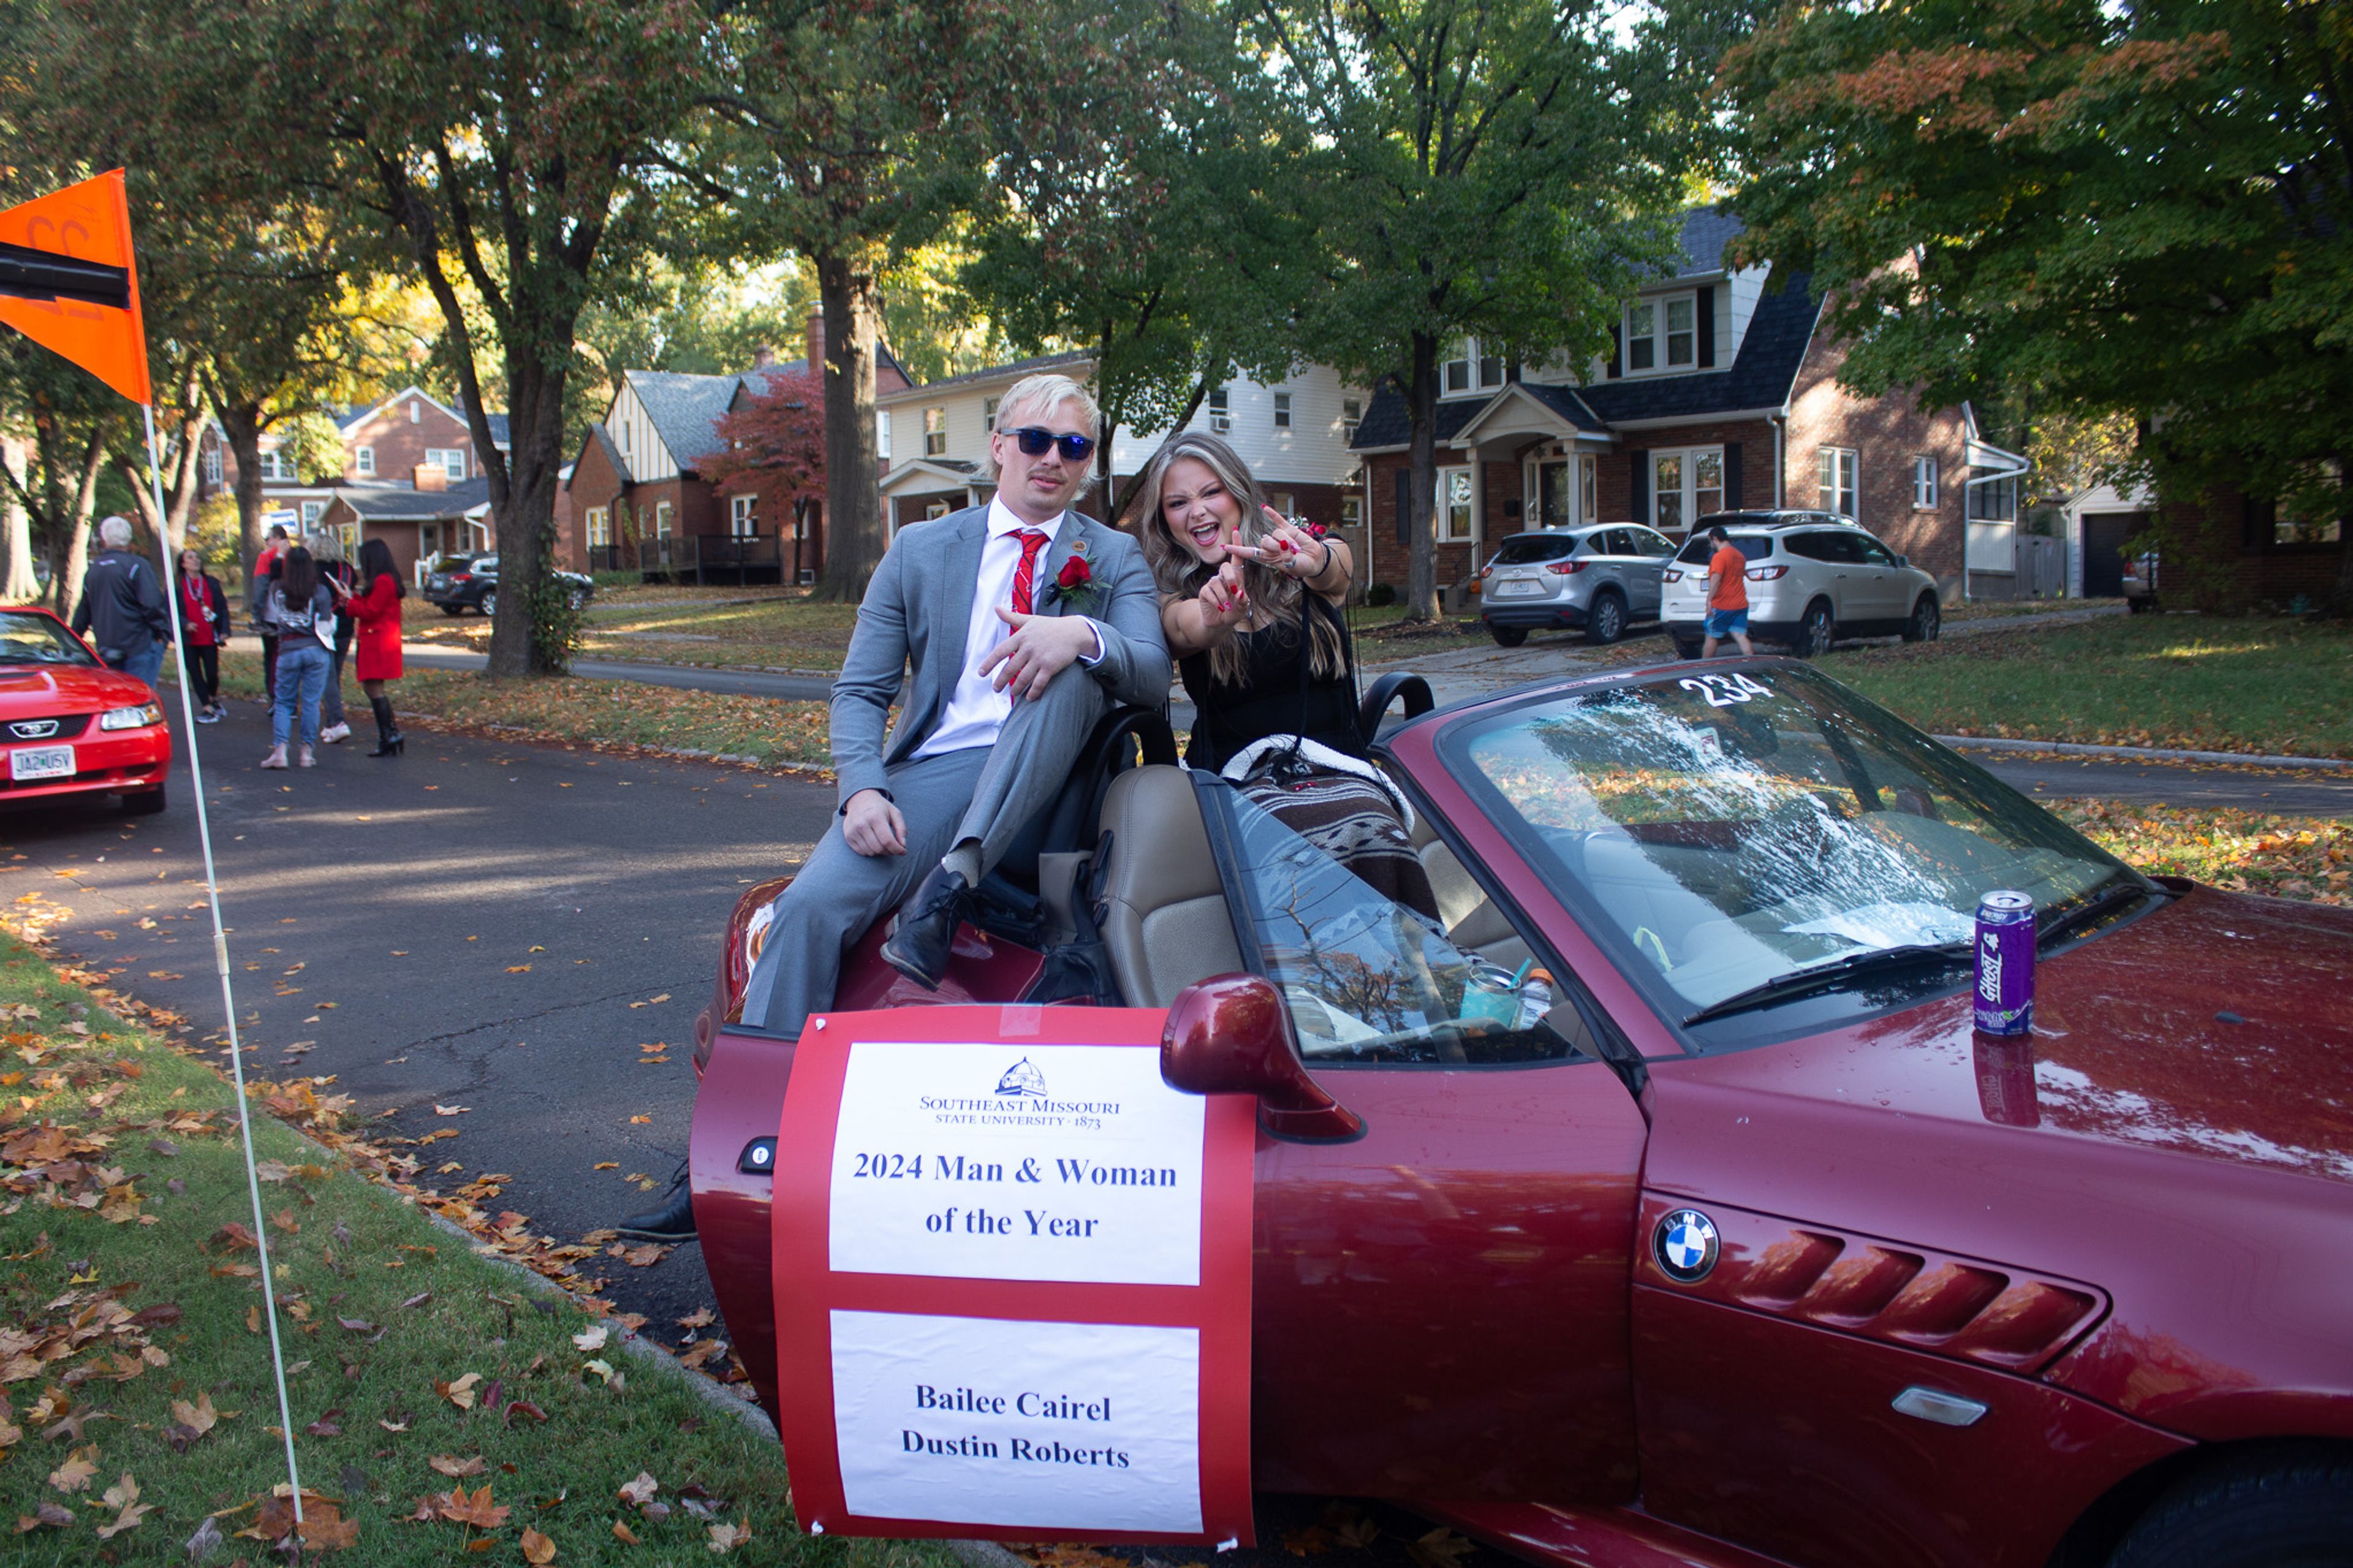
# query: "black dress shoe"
[672,1220]
[927,926]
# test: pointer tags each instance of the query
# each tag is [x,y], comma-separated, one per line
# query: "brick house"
[415,520]
[1720,392]
[1293,434]
[641,504]
[2252,554]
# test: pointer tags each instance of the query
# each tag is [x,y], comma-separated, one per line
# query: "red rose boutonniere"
[1074,584]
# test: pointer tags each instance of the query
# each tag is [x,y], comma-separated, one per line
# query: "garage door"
[2104,533]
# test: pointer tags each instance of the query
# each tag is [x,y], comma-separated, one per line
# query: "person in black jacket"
[121,607]
[204,627]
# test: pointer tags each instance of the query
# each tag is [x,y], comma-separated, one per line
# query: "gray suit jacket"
[918,612]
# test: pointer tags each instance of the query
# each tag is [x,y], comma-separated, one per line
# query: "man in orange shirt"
[1727,595]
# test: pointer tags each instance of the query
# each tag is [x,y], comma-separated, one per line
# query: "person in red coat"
[376,651]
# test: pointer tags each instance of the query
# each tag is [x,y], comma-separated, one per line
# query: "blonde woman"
[1249,605]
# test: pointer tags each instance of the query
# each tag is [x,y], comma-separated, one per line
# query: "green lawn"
[712,627]
[2198,682]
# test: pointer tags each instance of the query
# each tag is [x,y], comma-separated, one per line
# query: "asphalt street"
[502,929]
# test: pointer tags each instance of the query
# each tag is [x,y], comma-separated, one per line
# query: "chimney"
[430,477]
[762,357]
[816,343]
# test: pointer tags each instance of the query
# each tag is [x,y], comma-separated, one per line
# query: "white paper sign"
[1056,1425]
[1074,1164]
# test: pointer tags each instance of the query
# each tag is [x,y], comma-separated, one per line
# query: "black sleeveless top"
[1228,717]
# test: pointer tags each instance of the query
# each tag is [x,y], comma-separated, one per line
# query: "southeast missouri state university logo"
[1021,1078]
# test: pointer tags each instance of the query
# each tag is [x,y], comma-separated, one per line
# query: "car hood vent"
[1988,1313]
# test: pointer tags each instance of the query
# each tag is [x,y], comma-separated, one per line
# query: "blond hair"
[1179,574]
[1035,397]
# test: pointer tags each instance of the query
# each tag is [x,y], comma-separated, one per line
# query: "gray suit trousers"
[987,793]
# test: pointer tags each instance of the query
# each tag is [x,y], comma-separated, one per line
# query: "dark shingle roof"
[404,504]
[1018,368]
[1568,403]
[498,424]
[684,408]
[603,439]
[1760,378]
[1387,422]
[1707,231]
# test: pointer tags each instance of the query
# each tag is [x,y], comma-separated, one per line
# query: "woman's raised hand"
[1224,601]
[1290,549]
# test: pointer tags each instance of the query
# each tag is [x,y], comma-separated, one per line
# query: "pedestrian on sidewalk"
[305,612]
[328,551]
[375,611]
[1727,595]
[204,627]
[122,606]
[257,605]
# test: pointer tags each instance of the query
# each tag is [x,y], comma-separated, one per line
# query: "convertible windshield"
[1726,832]
[37,639]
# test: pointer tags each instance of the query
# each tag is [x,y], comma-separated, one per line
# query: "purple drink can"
[2005,963]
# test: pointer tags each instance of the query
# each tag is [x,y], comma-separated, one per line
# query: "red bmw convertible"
[1658,1205]
[71,725]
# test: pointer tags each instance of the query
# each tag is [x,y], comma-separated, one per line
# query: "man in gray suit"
[1011,670]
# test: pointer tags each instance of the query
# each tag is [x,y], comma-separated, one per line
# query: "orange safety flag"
[56,306]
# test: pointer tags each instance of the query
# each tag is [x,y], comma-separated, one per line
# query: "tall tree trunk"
[522,497]
[853,499]
[22,584]
[241,424]
[1422,560]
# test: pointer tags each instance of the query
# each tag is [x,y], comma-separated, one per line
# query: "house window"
[416,411]
[1282,411]
[1662,333]
[1352,509]
[882,434]
[989,412]
[1994,500]
[936,432]
[313,511]
[600,527]
[1285,502]
[934,510]
[1924,484]
[1221,411]
[450,460]
[741,523]
[1685,486]
[1453,505]
[1834,468]
[1352,414]
[1589,488]
[270,468]
[661,520]
[212,465]
[364,461]
[1466,370]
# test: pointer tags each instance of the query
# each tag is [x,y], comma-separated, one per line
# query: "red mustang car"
[1660,1205]
[71,725]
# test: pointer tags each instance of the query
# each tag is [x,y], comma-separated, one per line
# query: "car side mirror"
[1231,1034]
[1904,560]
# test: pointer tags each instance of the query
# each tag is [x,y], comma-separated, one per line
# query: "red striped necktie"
[1032,542]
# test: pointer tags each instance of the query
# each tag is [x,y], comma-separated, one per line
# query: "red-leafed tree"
[775,451]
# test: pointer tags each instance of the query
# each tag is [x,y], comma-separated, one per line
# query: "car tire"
[2256,1512]
[1508,637]
[1605,622]
[453,609]
[1927,620]
[143,803]
[1686,649]
[489,605]
[1816,631]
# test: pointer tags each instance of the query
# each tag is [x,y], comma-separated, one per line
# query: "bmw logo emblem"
[1684,1244]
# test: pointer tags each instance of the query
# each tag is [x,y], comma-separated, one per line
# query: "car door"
[1440,1305]
[1646,569]
[1883,586]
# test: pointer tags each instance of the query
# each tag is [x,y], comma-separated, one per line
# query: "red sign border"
[808,1290]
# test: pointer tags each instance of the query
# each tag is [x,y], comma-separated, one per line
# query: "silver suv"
[1813,578]
[1602,579]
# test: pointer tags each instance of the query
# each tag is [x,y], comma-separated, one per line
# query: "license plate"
[437,584]
[41,762]
[1518,590]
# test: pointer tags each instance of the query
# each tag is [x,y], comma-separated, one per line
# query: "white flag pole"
[220,955]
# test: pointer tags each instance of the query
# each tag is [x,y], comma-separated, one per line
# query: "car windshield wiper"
[1821,976]
[2087,911]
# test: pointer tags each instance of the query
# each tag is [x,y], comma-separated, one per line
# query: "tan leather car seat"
[1165,915]
[1472,919]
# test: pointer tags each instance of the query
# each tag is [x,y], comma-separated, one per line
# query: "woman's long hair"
[376,560]
[297,577]
[1179,574]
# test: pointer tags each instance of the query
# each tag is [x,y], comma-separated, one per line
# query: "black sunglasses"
[1034,442]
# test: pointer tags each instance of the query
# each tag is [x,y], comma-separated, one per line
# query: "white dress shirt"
[976,709]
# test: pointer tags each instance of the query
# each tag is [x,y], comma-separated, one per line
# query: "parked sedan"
[1813,578]
[462,582]
[1602,579]
[72,726]
[1677,1214]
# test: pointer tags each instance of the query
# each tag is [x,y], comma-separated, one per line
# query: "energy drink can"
[2005,961]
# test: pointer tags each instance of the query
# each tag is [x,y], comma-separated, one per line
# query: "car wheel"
[1605,622]
[143,803]
[2259,1511]
[1927,620]
[1816,631]
[1508,637]
[1686,649]
[490,603]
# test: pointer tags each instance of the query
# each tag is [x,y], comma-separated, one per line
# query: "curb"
[2143,753]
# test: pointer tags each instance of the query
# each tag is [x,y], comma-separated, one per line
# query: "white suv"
[1813,577]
